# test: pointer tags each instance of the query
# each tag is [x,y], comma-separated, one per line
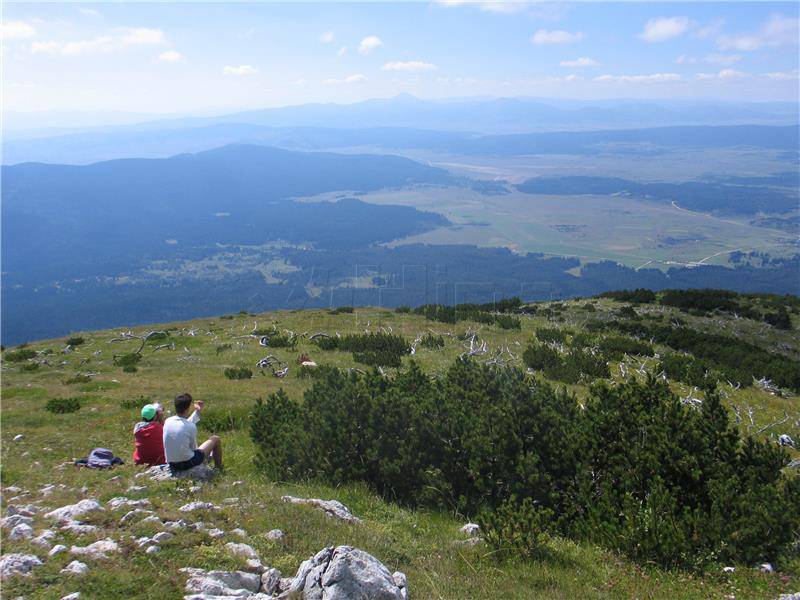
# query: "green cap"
[149,411]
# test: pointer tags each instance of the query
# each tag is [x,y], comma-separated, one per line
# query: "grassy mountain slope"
[420,543]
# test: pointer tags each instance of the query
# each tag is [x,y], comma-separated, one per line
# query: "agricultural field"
[191,356]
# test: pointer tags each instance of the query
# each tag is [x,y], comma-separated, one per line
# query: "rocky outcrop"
[98,550]
[332,508]
[192,506]
[164,473]
[71,512]
[18,564]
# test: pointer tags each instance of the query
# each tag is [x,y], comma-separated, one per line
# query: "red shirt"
[149,441]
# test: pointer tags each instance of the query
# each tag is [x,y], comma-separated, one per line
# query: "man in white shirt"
[180,438]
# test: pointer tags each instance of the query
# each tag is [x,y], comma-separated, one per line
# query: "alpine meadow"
[387,300]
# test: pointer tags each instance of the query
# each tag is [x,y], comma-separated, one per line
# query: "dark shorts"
[198,459]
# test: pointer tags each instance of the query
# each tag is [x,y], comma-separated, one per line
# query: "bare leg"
[212,448]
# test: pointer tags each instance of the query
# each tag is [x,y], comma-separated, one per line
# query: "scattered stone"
[116,478]
[13,489]
[176,525]
[28,510]
[198,526]
[43,539]
[216,533]
[795,596]
[271,581]
[72,596]
[151,519]
[18,564]
[728,569]
[766,568]
[98,550]
[276,535]
[192,506]
[344,572]
[471,529]
[78,528]
[134,489]
[223,583]
[18,437]
[239,532]
[242,550]
[235,483]
[122,501]
[23,531]
[57,549]
[163,473]
[152,550]
[163,536]
[195,488]
[133,513]
[255,565]
[75,568]
[72,511]
[142,541]
[333,508]
[16,520]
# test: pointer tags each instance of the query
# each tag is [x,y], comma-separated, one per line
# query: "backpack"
[100,458]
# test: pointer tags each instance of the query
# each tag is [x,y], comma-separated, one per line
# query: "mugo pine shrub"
[636,471]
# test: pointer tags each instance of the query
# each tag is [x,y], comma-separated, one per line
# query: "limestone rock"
[333,508]
[766,568]
[152,550]
[271,581]
[18,437]
[344,572]
[122,501]
[18,564]
[23,531]
[132,514]
[471,529]
[176,525]
[164,473]
[15,520]
[72,596]
[72,511]
[75,568]
[243,550]
[163,536]
[28,510]
[152,519]
[239,532]
[223,583]
[43,539]
[78,528]
[276,535]
[192,506]
[57,549]
[98,550]
[216,533]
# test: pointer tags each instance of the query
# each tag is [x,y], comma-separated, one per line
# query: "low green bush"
[130,403]
[63,405]
[19,355]
[342,310]
[551,334]
[517,529]
[30,367]
[125,360]
[434,342]
[75,341]
[77,378]
[238,373]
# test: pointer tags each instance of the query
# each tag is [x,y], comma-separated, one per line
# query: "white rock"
[57,549]
[18,437]
[766,567]
[27,510]
[242,550]
[18,564]
[192,506]
[78,528]
[271,581]
[122,501]
[152,550]
[43,539]
[15,520]
[163,536]
[239,532]
[728,569]
[142,541]
[223,583]
[134,513]
[72,511]
[163,473]
[75,568]
[254,565]
[136,488]
[23,531]
[198,526]
[176,525]
[151,519]
[276,535]
[98,550]
[72,596]
[216,533]
[471,529]
[333,508]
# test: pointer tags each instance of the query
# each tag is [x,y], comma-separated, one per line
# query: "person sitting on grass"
[180,438]
[148,435]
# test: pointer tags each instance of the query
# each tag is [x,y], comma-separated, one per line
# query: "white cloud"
[683,59]
[549,11]
[723,74]
[170,56]
[410,66]
[583,61]
[556,36]
[89,12]
[326,37]
[239,71]
[16,30]
[126,37]
[778,30]
[370,43]
[723,59]
[652,78]
[342,51]
[662,29]
[357,78]
[782,75]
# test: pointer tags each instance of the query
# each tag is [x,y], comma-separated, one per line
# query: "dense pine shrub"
[636,471]
[130,403]
[126,360]
[63,405]
[551,334]
[637,296]
[434,342]
[238,373]
[616,347]
[19,355]
[570,367]
[30,367]
[780,319]
[75,341]
[342,310]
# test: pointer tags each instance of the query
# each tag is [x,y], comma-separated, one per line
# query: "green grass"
[417,542]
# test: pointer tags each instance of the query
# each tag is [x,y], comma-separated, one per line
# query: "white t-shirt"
[180,437]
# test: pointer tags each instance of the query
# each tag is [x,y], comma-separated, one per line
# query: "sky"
[205,58]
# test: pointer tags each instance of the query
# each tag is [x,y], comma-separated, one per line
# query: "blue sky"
[200,58]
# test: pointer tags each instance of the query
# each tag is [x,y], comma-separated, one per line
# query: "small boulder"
[332,508]
[242,550]
[98,550]
[215,533]
[471,529]
[56,550]
[152,550]
[132,514]
[23,531]
[163,473]
[271,581]
[18,564]
[223,583]
[122,501]
[72,511]
[78,528]
[72,596]
[192,506]
[18,437]
[276,535]
[43,539]
[766,567]
[15,520]
[163,536]
[75,568]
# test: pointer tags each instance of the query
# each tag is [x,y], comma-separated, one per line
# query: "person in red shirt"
[149,437]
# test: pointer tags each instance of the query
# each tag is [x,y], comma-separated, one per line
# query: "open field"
[419,543]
